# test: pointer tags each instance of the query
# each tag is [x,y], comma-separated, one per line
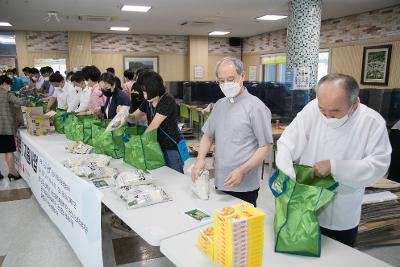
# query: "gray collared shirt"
[238,130]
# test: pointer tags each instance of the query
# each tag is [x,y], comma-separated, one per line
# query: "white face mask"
[335,123]
[10,76]
[78,89]
[58,88]
[46,78]
[34,79]
[230,90]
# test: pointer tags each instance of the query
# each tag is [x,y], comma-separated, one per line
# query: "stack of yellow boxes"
[238,236]
[205,242]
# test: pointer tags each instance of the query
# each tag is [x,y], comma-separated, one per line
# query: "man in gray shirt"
[240,126]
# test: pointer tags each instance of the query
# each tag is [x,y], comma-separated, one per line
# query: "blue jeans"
[173,159]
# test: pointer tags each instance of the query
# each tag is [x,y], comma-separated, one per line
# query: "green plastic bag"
[109,143]
[143,151]
[59,120]
[297,201]
[79,128]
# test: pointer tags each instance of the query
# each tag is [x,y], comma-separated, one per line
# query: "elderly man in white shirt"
[338,135]
[64,93]
[81,101]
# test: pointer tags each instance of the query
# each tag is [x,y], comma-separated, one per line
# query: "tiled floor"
[29,238]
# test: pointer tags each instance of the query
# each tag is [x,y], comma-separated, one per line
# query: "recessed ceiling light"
[271,17]
[5,24]
[121,29]
[218,33]
[135,8]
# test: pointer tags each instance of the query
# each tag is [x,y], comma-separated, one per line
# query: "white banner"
[71,203]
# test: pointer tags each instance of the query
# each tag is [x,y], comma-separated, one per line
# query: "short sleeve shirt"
[238,130]
[168,108]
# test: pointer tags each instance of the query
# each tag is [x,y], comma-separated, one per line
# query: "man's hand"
[322,168]
[82,113]
[200,164]
[234,178]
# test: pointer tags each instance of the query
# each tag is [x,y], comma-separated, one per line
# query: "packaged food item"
[79,148]
[237,236]
[201,186]
[134,177]
[138,196]
[119,120]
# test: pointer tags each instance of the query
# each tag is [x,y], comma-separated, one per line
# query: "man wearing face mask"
[64,93]
[240,127]
[338,135]
[17,82]
[115,96]
[37,79]
[46,86]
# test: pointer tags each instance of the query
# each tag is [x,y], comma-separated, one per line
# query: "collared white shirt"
[39,82]
[359,153]
[84,99]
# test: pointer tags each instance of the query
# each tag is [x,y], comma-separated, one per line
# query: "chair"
[184,112]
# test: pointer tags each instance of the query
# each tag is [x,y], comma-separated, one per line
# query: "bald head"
[337,94]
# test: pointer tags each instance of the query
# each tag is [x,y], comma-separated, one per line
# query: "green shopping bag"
[59,120]
[79,128]
[109,143]
[297,202]
[143,151]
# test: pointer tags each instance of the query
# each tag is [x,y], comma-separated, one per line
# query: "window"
[57,64]
[274,66]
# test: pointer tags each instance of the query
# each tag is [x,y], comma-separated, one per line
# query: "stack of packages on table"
[236,237]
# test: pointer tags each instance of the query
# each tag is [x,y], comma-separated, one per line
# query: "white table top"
[182,251]
[152,223]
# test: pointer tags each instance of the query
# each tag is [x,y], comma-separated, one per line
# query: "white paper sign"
[252,73]
[302,78]
[198,72]
[71,203]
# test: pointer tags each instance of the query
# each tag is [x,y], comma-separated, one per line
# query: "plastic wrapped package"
[136,177]
[79,148]
[119,120]
[201,186]
[138,196]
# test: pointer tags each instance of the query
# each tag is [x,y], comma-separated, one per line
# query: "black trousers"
[250,196]
[347,237]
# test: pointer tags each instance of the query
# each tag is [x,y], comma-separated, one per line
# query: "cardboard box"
[37,122]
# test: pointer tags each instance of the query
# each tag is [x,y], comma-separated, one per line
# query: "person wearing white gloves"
[338,135]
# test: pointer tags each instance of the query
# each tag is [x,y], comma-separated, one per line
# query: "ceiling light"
[121,29]
[271,17]
[5,24]
[218,33]
[135,8]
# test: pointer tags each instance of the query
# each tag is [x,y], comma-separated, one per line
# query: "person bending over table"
[161,112]
[338,136]
[64,93]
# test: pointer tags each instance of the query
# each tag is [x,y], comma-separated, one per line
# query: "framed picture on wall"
[376,65]
[135,63]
